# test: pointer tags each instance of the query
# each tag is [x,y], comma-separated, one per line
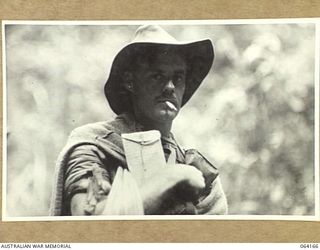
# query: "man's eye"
[157,77]
[178,79]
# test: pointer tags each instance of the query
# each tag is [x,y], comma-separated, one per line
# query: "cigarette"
[171,106]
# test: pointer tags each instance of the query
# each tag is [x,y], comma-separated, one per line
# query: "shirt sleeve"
[213,199]
[86,170]
[215,203]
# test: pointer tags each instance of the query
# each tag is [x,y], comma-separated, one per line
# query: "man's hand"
[179,179]
[190,175]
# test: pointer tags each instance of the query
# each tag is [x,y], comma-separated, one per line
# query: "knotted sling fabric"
[99,145]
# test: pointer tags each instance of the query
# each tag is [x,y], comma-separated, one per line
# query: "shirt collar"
[134,126]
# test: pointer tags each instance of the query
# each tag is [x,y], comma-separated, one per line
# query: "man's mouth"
[170,104]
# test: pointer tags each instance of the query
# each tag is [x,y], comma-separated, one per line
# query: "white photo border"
[315,217]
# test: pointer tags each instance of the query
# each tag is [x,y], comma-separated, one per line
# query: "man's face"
[158,88]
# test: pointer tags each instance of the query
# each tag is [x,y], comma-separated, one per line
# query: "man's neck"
[163,127]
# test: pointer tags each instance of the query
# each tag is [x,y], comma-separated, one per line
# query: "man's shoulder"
[117,125]
[94,130]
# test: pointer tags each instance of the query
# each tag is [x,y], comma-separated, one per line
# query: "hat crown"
[153,34]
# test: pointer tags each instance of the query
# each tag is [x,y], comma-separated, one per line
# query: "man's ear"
[128,81]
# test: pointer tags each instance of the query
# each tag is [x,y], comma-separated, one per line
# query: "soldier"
[151,79]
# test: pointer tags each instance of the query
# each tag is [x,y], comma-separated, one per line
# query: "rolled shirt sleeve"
[80,169]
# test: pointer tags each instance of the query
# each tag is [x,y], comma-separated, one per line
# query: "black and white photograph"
[206,119]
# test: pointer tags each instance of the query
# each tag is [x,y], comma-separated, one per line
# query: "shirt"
[86,162]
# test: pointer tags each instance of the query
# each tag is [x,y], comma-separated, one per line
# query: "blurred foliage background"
[253,116]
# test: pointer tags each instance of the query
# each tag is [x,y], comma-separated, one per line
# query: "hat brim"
[199,56]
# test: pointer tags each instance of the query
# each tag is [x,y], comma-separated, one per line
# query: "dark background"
[253,115]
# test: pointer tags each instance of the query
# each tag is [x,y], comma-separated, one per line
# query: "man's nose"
[169,87]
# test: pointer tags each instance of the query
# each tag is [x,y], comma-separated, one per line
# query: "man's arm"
[153,191]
